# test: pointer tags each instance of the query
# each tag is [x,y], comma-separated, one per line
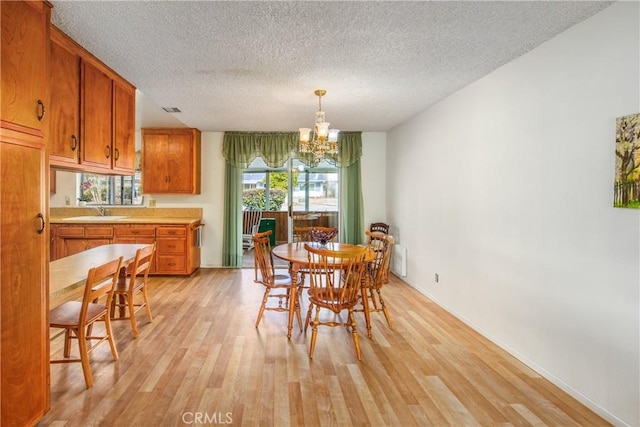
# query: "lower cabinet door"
[170,264]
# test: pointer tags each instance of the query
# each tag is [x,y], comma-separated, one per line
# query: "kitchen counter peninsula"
[176,232]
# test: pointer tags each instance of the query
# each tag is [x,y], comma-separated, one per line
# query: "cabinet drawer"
[171,264]
[135,231]
[98,231]
[171,231]
[70,232]
[172,246]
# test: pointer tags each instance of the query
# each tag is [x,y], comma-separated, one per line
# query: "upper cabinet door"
[124,116]
[171,161]
[64,124]
[24,46]
[154,168]
[96,117]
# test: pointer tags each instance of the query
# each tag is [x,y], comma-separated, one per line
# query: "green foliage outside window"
[255,199]
[279,180]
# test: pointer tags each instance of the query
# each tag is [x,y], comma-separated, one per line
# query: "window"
[264,188]
[110,190]
[314,189]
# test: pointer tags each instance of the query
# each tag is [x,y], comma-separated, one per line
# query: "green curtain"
[275,148]
[351,204]
[240,148]
[232,219]
[349,149]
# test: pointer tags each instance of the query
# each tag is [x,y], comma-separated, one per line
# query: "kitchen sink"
[93,218]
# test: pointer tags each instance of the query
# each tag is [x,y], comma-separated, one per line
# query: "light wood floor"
[202,360]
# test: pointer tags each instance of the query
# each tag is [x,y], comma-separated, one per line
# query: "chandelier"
[320,140]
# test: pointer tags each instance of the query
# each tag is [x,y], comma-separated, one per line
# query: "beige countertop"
[120,215]
[120,220]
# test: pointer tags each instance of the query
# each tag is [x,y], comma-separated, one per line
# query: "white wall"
[374,175]
[505,190]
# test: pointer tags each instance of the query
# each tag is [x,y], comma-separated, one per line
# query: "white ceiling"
[253,66]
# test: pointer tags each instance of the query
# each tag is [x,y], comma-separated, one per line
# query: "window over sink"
[110,190]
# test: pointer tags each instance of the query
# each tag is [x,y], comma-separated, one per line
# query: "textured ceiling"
[253,66]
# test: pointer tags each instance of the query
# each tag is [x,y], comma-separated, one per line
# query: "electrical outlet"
[437,278]
[67,200]
[152,203]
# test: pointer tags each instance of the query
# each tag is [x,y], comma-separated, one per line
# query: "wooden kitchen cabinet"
[24,266]
[137,234]
[95,107]
[24,46]
[177,245]
[64,129]
[93,112]
[124,122]
[72,239]
[171,251]
[170,161]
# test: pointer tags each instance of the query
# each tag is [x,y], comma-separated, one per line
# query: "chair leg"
[146,303]
[384,310]
[314,332]
[354,332]
[112,344]
[263,305]
[308,317]
[84,358]
[67,343]
[373,299]
[298,309]
[132,315]
[365,309]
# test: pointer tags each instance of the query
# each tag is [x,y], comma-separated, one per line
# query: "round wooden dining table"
[298,257]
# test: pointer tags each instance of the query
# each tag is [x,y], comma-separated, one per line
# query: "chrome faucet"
[100,209]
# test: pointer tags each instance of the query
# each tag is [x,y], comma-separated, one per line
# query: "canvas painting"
[626,189]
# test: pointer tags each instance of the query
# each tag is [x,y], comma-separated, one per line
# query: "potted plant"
[83,199]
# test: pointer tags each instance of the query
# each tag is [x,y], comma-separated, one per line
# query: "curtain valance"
[241,148]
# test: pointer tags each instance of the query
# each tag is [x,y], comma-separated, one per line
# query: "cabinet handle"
[116,155]
[171,264]
[41,110]
[107,151]
[134,232]
[74,143]
[42,223]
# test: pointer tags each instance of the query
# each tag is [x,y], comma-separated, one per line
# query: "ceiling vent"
[172,109]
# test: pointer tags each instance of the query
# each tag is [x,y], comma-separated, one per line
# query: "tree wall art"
[626,188]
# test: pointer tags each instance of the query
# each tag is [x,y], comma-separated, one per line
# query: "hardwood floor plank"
[203,359]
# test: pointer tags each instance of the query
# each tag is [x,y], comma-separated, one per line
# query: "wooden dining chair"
[379,226]
[123,303]
[301,234]
[77,317]
[311,234]
[335,284]
[280,286]
[376,274]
